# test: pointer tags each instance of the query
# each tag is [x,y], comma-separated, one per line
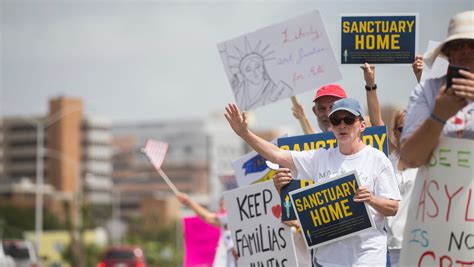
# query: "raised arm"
[300,115]
[375,113]
[203,213]
[271,152]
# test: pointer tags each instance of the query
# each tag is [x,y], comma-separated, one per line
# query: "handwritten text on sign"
[254,219]
[279,61]
[440,226]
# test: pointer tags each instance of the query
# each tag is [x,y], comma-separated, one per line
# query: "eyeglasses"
[348,120]
[400,129]
[458,45]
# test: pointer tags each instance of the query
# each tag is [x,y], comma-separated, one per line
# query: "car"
[5,260]
[23,252]
[123,256]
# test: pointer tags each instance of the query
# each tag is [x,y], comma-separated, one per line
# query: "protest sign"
[279,61]
[373,136]
[251,168]
[440,225]
[288,213]
[378,39]
[327,212]
[259,236]
[200,240]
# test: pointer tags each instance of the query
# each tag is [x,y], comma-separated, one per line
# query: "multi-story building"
[77,150]
[19,148]
[97,158]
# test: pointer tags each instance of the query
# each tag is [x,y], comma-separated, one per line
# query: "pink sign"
[201,240]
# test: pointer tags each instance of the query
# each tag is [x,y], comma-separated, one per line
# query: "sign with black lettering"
[327,212]
[378,39]
[254,219]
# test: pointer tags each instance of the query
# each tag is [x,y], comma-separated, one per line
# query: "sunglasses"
[400,129]
[348,120]
[458,45]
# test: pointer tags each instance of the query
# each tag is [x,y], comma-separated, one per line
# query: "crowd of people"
[434,110]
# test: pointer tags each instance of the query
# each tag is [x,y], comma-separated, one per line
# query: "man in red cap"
[323,100]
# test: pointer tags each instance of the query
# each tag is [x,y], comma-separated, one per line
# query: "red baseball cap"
[330,90]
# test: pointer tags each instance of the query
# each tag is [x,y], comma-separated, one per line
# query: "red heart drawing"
[276,211]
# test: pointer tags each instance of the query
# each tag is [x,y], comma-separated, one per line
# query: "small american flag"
[156,152]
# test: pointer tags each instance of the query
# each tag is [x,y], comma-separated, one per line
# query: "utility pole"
[41,126]
[75,211]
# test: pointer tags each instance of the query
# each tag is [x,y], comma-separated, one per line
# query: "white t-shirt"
[224,257]
[375,171]
[396,224]
[421,104]
[303,255]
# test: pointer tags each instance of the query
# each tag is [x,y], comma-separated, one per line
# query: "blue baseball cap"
[348,104]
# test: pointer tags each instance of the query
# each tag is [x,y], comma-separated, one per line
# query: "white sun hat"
[461,26]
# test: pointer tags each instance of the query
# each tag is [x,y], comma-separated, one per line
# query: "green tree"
[161,246]
[15,220]
[92,254]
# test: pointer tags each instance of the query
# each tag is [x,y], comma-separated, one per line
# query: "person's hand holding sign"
[369,74]
[417,67]
[388,207]
[298,111]
[282,178]
[363,195]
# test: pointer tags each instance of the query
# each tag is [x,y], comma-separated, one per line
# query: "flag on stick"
[156,152]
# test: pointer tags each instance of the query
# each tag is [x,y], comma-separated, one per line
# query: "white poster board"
[279,61]
[259,236]
[251,168]
[440,225]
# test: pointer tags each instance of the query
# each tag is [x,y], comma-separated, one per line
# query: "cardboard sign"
[288,213]
[440,225]
[378,39]
[279,61]
[373,136]
[259,236]
[251,168]
[327,212]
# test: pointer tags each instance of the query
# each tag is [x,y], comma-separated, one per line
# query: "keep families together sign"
[259,236]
